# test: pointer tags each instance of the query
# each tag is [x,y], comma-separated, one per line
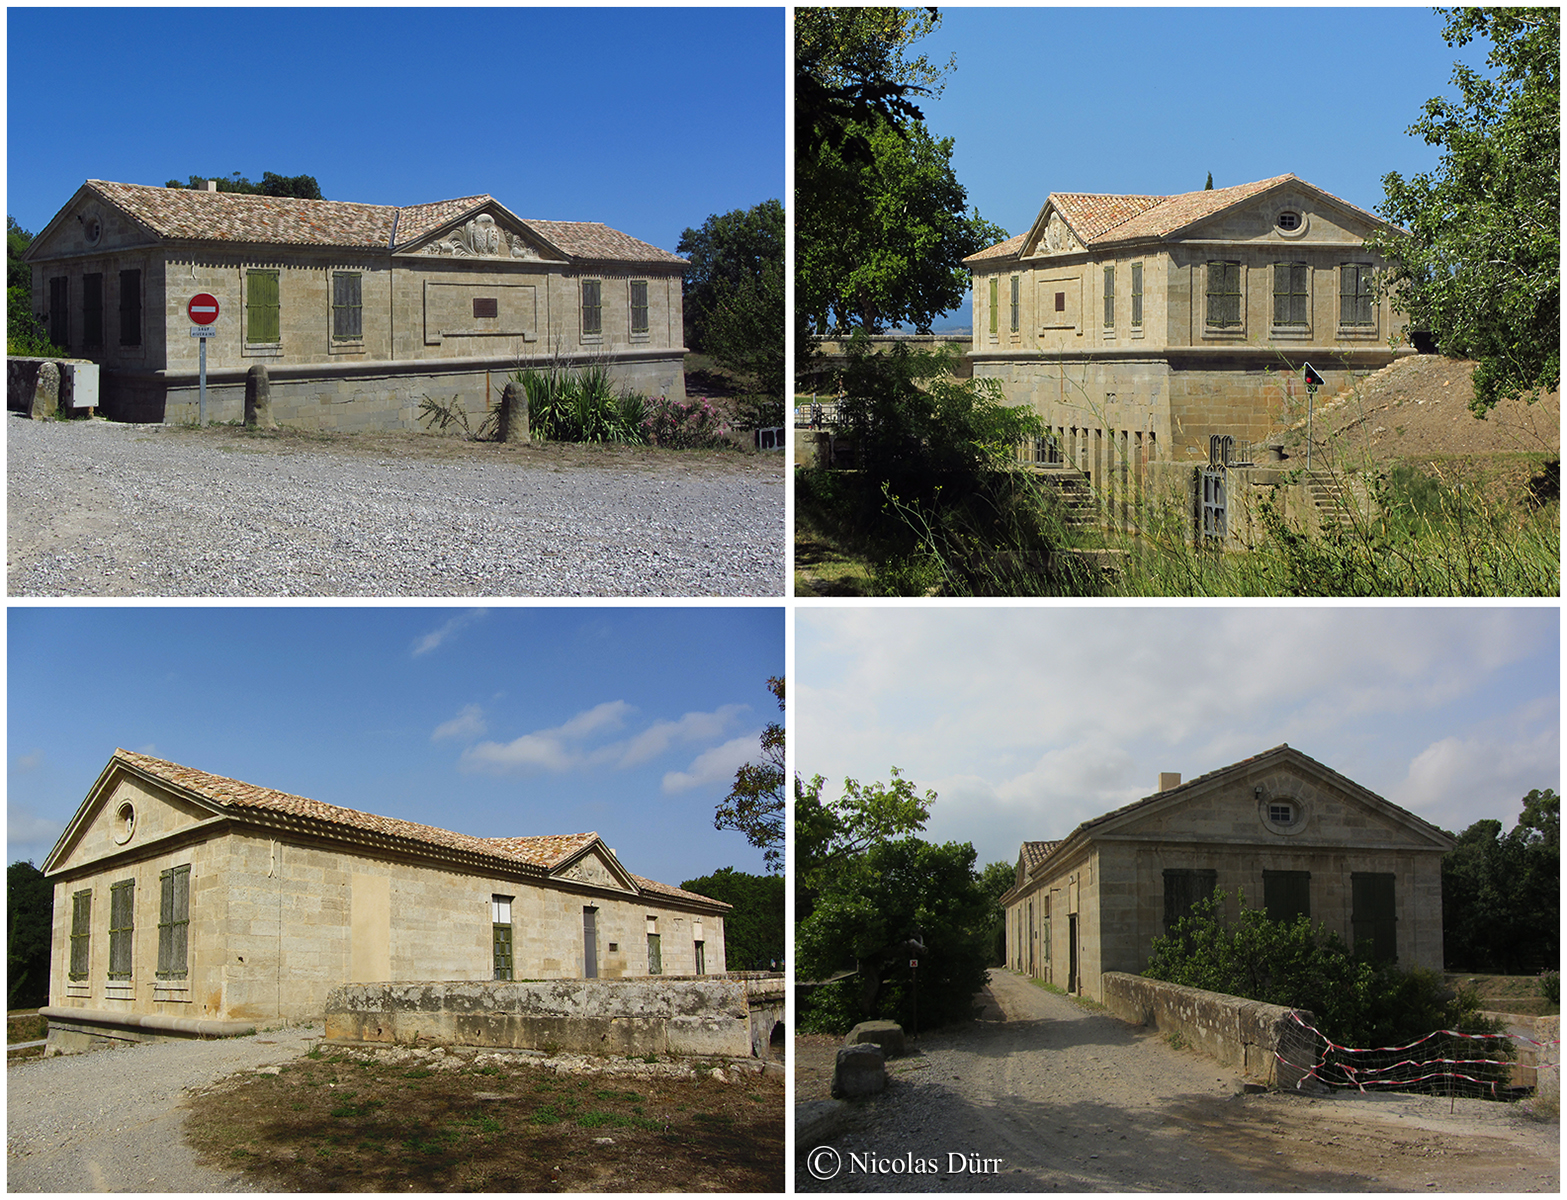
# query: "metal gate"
[1215,516]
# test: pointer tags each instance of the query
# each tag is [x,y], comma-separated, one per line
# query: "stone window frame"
[995,307]
[503,945]
[1224,329]
[590,295]
[699,955]
[122,930]
[644,332]
[344,310]
[259,347]
[79,965]
[174,923]
[1290,328]
[655,947]
[1364,272]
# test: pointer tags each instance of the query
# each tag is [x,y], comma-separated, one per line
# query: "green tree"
[1208,187]
[301,187]
[1501,893]
[734,295]
[29,903]
[1480,268]
[997,880]
[901,900]
[25,334]
[754,928]
[755,805]
[830,836]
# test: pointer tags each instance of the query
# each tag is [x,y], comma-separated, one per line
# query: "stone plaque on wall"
[479,309]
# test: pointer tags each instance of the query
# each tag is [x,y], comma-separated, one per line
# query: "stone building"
[1291,834]
[186,902]
[357,311]
[1139,327]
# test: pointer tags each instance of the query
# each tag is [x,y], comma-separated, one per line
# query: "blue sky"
[1149,100]
[1028,721]
[647,119]
[501,722]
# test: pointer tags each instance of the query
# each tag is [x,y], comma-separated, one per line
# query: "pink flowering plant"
[692,424]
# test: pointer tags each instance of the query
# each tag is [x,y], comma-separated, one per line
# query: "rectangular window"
[130,307]
[174,923]
[1110,297]
[348,307]
[592,307]
[81,934]
[655,955]
[122,927]
[1016,302]
[500,928]
[1137,295]
[701,959]
[639,306]
[60,311]
[1373,916]
[263,308]
[92,310]
[1356,305]
[1286,894]
[995,303]
[1182,890]
[1289,294]
[1224,294]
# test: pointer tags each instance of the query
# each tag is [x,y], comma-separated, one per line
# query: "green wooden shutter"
[503,951]
[1224,294]
[1183,888]
[639,323]
[1109,296]
[1374,916]
[995,288]
[347,305]
[1356,304]
[655,955]
[173,922]
[1016,302]
[1286,894]
[262,307]
[122,927]
[81,934]
[592,307]
[1137,295]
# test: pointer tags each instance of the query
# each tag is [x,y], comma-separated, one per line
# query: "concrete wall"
[1245,1034]
[700,1015]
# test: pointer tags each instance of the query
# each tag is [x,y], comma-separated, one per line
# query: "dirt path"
[1041,1094]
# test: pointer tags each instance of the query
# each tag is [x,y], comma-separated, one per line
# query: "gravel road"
[102,509]
[112,1120]
[1044,1095]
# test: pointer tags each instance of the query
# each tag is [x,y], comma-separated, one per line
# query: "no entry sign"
[203,308]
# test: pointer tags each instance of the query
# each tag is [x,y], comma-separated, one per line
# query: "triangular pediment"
[1051,233]
[596,867]
[1291,213]
[122,813]
[1278,797]
[89,224]
[490,232]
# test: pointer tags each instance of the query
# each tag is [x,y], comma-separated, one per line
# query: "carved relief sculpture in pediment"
[482,238]
[1057,236]
[590,870]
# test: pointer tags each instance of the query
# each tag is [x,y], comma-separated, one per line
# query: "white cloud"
[717,765]
[469,723]
[553,750]
[435,637]
[28,835]
[693,727]
[30,762]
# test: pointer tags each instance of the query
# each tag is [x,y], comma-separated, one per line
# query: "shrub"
[1551,986]
[692,424]
[581,406]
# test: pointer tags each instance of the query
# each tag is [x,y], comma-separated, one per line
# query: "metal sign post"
[203,311]
[1313,382]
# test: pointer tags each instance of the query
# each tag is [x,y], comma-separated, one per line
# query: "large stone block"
[886,1034]
[859,1071]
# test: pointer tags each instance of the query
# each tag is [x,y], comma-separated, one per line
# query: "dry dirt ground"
[1058,1097]
[1417,409]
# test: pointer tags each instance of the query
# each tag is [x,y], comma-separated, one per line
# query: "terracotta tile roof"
[1001,249]
[1035,853]
[541,852]
[179,214]
[590,239]
[1102,220]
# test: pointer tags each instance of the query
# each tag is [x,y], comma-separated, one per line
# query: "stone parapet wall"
[690,1015]
[1236,1032]
[1548,1077]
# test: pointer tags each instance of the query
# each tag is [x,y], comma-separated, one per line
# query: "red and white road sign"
[203,308]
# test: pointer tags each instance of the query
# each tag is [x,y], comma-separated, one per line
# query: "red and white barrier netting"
[1497,1066]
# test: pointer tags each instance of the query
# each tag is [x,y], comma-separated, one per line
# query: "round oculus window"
[94,230]
[1281,814]
[1290,223]
[124,822]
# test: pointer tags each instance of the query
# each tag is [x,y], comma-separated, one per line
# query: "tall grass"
[583,405]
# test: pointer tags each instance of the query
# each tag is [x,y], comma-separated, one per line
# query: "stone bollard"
[514,414]
[886,1034]
[258,399]
[859,1071]
[46,392]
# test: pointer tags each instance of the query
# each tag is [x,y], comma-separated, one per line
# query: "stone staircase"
[1076,494]
[1332,498]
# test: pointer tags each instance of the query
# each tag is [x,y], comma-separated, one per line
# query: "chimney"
[212,185]
[1168,780]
